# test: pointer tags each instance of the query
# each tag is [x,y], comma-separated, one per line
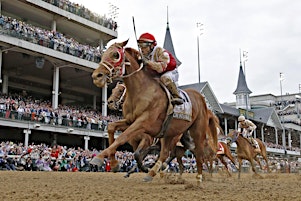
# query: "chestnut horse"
[142,144]
[145,108]
[246,151]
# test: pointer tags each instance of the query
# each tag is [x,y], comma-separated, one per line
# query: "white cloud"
[269,30]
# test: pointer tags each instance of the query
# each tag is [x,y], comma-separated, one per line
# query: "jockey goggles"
[144,44]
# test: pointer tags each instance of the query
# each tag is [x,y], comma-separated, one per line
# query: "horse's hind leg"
[132,170]
[198,138]
[221,158]
[180,151]
[239,164]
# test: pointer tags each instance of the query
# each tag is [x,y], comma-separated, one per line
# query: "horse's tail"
[213,128]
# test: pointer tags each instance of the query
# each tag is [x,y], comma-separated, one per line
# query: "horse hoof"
[147,178]
[126,176]
[96,161]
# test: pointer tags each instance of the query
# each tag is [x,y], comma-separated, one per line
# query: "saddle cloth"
[221,149]
[183,111]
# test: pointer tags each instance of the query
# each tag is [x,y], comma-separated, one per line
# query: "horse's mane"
[136,55]
[133,52]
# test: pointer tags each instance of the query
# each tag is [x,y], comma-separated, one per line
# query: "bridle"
[120,100]
[116,66]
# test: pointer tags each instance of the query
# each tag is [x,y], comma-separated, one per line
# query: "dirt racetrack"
[86,186]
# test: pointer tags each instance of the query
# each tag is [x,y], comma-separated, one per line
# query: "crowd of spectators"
[48,38]
[26,108]
[81,11]
[42,157]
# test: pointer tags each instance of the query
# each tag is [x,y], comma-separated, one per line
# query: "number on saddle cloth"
[183,111]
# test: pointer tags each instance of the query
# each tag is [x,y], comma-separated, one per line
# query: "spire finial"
[167,19]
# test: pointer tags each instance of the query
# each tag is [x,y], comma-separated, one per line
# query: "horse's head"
[232,137]
[117,97]
[111,65]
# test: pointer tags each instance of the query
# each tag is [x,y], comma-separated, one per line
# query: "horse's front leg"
[98,160]
[164,152]
[120,125]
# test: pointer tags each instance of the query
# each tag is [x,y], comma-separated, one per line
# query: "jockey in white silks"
[246,128]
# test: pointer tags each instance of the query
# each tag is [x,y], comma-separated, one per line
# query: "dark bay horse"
[116,99]
[210,151]
[246,151]
[145,108]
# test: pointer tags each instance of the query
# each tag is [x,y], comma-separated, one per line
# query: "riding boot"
[255,145]
[176,98]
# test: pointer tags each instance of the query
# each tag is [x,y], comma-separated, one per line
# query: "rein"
[136,71]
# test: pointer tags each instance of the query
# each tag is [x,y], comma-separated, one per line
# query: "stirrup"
[177,101]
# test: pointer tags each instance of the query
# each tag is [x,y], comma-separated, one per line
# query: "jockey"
[162,63]
[248,129]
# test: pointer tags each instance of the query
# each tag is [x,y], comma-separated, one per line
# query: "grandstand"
[48,52]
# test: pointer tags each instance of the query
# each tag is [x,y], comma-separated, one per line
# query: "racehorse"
[145,108]
[142,144]
[246,151]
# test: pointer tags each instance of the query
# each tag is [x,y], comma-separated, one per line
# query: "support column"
[53,24]
[27,132]
[300,139]
[104,100]
[54,141]
[276,135]
[55,84]
[283,138]
[289,138]
[5,84]
[226,126]
[104,144]
[262,133]
[86,138]
[94,102]
[1,53]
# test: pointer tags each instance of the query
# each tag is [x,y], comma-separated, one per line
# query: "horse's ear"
[125,42]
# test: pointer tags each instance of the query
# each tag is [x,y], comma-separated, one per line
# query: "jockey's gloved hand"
[144,61]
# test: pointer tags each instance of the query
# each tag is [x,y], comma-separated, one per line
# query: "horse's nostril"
[99,75]
[110,102]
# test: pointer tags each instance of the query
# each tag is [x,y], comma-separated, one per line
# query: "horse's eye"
[116,55]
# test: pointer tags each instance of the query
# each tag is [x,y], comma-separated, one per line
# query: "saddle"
[183,111]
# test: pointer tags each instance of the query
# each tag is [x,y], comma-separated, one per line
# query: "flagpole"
[199,27]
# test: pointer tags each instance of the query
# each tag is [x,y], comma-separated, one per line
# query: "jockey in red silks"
[162,63]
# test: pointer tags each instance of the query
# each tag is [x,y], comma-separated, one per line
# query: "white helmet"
[241,118]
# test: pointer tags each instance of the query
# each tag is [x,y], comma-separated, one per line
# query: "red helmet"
[147,37]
